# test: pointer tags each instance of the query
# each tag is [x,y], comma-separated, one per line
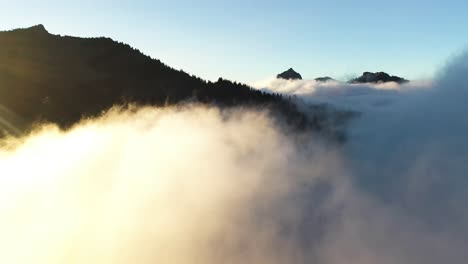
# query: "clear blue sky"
[251,40]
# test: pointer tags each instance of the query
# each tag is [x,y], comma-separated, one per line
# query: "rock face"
[324,79]
[289,75]
[378,77]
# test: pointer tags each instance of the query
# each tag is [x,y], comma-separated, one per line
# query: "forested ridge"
[61,79]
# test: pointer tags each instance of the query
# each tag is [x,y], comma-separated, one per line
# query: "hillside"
[60,79]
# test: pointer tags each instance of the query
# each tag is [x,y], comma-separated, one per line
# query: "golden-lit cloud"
[192,185]
[151,186]
[196,184]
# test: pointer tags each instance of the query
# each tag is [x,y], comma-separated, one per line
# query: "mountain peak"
[37,29]
[378,77]
[290,74]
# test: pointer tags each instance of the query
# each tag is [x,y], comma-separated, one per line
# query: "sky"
[249,41]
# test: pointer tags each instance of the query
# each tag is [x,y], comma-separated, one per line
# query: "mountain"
[61,79]
[378,77]
[289,75]
[324,79]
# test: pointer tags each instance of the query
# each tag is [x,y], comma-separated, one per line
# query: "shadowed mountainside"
[61,79]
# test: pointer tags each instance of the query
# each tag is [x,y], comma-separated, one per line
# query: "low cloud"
[178,185]
[359,97]
[195,184]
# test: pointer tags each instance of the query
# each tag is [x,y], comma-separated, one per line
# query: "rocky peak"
[289,75]
[378,77]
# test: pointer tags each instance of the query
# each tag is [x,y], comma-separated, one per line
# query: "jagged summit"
[378,77]
[290,74]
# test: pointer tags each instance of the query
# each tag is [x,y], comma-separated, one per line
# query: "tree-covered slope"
[60,79]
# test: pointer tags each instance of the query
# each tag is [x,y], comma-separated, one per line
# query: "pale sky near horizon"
[249,41]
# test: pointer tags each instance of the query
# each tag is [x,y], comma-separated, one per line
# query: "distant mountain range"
[61,79]
[367,77]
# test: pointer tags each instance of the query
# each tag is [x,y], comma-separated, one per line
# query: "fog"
[195,184]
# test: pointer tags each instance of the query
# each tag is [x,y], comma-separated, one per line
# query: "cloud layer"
[191,185]
[408,148]
[360,97]
[198,185]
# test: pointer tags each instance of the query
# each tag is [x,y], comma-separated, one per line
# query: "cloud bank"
[361,97]
[190,185]
[194,184]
